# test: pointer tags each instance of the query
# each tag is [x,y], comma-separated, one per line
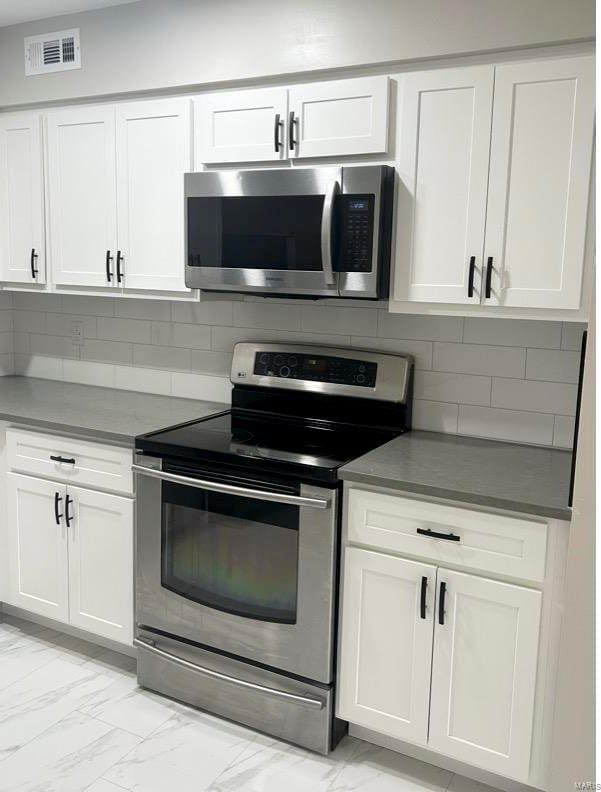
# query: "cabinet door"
[386,644]
[82,196]
[331,119]
[240,126]
[154,150]
[484,673]
[443,170]
[22,248]
[540,168]
[101,563]
[37,546]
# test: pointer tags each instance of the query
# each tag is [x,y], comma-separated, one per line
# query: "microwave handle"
[326,232]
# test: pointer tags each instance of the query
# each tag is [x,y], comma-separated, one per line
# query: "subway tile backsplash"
[497,378]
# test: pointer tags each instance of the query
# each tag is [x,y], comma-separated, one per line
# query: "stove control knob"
[284,371]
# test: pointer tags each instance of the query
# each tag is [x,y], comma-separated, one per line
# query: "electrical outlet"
[77,336]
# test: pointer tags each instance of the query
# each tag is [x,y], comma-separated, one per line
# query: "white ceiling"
[14,11]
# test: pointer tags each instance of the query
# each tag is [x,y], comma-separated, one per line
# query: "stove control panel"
[316,368]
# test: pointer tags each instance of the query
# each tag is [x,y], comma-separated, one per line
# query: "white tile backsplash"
[480,359]
[496,378]
[552,365]
[558,398]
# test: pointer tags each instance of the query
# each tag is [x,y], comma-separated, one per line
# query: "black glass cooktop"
[237,438]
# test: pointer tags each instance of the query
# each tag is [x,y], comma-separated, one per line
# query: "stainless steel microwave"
[307,232]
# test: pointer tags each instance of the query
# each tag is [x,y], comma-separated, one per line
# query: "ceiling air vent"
[52,52]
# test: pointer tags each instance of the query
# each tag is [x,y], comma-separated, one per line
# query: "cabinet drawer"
[77,461]
[490,542]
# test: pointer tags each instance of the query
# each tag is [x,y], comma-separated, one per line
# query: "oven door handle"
[292,697]
[231,489]
[326,232]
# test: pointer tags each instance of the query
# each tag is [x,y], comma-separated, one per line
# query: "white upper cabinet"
[82,196]
[484,672]
[443,168]
[154,150]
[328,119]
[542,136]
[345,117]
[241,126]
[386,644]
[22,244]
[493,193]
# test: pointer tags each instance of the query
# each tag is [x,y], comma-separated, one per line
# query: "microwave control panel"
[316,368]
[356,233]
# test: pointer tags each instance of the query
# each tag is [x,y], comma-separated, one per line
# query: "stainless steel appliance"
[313,232]
[237,534]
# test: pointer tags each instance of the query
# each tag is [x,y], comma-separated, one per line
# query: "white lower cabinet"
[101,563]
[484,672]
[70,555]
[443,659]
[38,577]
[386,644]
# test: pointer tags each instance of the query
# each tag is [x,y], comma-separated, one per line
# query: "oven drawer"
[292,710]
[80,462]
[511,546]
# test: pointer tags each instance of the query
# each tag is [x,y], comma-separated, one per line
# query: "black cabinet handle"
[276,133]
[470,281]
[120,258]
[441,599]
[57,500]
[451,537]
[66,460]
[488,290]
[34,269]
[68,517]
[422,599]
[291,123]
[109,258]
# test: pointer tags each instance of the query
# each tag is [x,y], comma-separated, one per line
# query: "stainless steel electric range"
[237,535]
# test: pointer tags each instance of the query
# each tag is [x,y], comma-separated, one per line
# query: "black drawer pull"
[57,500]
[422,599]
[68,517]
[34,269]
[441,599]
[470,281]
[66,460]
[435,535]
[488,290]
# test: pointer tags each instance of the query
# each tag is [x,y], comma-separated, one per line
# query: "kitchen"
[297,350]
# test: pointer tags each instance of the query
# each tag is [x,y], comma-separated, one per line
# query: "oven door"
[268,231]
[241,569]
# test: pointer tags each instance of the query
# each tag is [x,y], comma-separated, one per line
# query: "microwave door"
[268,232]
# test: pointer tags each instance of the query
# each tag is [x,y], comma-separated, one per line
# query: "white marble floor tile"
[42,698]
[463,784]
[102,785]
[130,707]
[185,754]
[66,758]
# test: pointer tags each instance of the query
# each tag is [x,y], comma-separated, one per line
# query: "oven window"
[231,553]
[281,232]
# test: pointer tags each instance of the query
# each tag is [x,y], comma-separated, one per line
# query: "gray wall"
[167,44]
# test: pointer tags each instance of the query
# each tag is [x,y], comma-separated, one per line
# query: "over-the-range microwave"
[307,232]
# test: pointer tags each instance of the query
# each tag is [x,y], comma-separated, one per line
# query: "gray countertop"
[508,476]
[116,416]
